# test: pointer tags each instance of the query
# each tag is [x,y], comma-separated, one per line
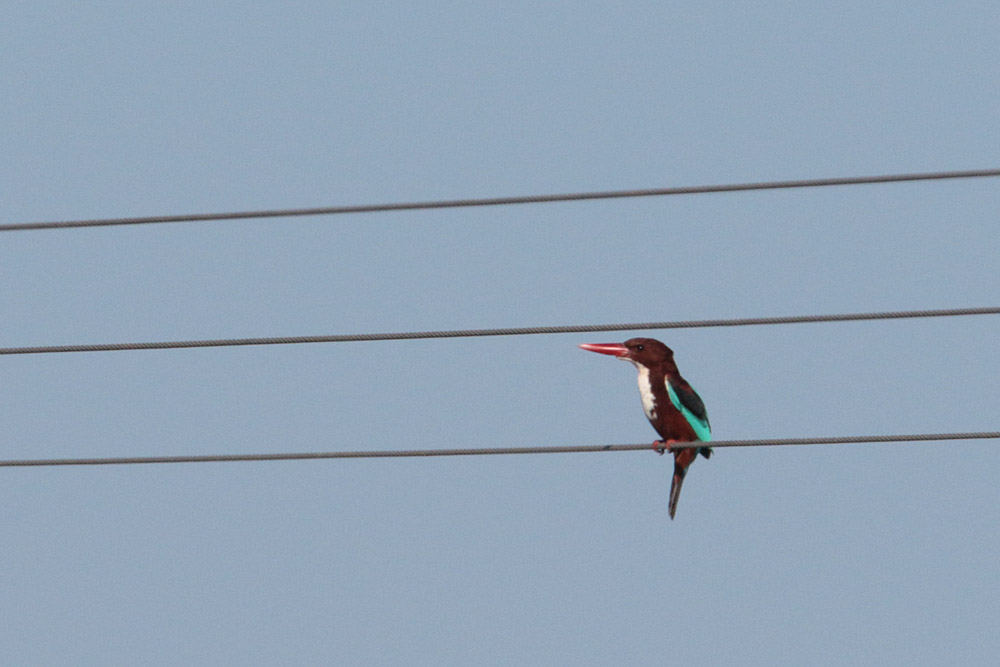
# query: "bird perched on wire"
[672,406]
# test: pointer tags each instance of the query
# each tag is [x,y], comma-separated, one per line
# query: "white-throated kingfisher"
[672,406]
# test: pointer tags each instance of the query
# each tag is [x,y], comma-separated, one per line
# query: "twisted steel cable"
[510,331]
[501,201]
[490,451]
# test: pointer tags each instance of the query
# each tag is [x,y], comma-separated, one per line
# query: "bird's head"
[647,352]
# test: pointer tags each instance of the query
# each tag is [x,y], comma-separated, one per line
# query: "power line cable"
[501,201]
[514,331]
[410,453]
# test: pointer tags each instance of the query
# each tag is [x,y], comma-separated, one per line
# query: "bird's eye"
[640,347]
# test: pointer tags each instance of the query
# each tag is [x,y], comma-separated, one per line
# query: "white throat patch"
[646,392]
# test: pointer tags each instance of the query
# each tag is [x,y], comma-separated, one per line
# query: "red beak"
[613,349]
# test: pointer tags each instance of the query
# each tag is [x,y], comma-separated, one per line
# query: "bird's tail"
[675,488]
[682,459]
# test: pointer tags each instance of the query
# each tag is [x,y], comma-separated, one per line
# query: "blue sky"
[881,554]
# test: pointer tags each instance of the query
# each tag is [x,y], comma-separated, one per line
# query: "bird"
[672,405]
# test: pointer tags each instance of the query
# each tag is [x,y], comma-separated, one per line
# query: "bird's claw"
[660,447]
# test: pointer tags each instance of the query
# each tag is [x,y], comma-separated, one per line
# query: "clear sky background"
[871,554]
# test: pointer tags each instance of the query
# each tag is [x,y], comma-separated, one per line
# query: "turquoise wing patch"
[700,424]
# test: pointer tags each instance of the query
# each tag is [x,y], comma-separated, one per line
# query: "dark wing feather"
[690,399]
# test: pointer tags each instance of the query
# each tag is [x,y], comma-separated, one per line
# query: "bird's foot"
[661,446]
